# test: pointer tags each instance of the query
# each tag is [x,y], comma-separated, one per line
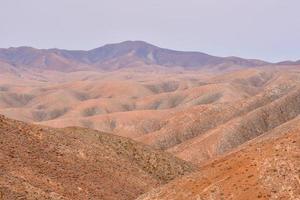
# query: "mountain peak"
[136,42]
[132,44]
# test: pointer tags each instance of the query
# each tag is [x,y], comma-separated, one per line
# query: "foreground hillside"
[73,163]
[266,168]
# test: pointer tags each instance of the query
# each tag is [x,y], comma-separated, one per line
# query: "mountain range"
[134,121]
[115,56]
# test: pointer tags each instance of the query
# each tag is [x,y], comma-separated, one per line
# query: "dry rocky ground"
[265,168]
[74,163]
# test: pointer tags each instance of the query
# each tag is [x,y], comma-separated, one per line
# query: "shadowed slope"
[197,120]
[239,130]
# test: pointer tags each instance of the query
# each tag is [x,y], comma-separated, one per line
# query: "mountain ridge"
[73,60]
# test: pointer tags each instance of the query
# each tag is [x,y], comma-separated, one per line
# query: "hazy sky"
[265,29]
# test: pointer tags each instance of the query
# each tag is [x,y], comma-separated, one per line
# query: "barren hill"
[73,163]
[265,168]
[195,115]
[239,130]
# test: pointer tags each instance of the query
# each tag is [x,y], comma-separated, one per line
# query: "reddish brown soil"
[43,163]
[265,168]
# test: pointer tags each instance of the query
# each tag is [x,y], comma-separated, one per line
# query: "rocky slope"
[73,163]
[239,130]
[265,168]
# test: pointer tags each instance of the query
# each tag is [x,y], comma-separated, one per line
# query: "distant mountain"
[120,55]
[289,63]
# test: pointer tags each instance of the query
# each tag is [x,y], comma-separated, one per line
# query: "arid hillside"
[192,114]
[74,163]
[241,128]
[265,168]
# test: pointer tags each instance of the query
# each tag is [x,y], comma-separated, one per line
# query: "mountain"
[121,55]
[289,63]
[38,162]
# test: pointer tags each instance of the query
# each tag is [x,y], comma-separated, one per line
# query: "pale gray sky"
[265,29]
